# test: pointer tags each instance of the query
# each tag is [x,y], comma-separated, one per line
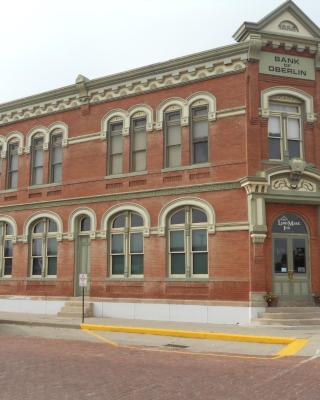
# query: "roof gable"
[286,20]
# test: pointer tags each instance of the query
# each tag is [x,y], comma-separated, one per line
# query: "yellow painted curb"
[192,334]
[292,348]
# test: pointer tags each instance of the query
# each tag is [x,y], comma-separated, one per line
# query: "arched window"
[115,146]
[12,165]
[126,245]
[188,243]
[285,128]
[6,234]
[37,161]
[55,157]
[138,144]
[172,142]
[199,133]
[84,224]
[43,248]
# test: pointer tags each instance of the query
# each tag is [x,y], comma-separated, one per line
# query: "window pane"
[116,144]
[176,241]
[52,266]
[139,123]
[13,180]
[178,264]
[274,149]
[117,265]
[116,164]
[293,128]
[37,266]
[200,111]
[200,152]
[174,135]
[283,108]
[9,229]
[299,256]
[139,161]
[52,226]
[199,240]
[137,264]
[8,248]
[14,162]
[119,222]
[116,127]
[117,244]
[294,148]
[139,141]
[38,158]
[174,156]
[198,216]
[179,217]
[85,224]
[136,220]
[39,227]
[280,256]
[37,247]
[174,116]
[274,127]
[200,263]
[56,173]
[136,243]
[200,129]
[57,155]
[37,176]
[52,245]
[56,140]
[7,266]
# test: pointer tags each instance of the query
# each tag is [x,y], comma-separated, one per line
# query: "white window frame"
[5,237]
[187,228]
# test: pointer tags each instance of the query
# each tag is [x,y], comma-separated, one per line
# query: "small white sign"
[83,280]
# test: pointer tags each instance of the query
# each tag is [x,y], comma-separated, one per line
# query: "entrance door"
[82,258]
[291,271]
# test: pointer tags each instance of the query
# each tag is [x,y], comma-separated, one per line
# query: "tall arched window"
[188,243]
[172,130]
[43,248]
[55,161]
[12,165]
[138,144]
[6,250]
[199,134]
[126,245]
[285,128]
[37,161]
[115,147]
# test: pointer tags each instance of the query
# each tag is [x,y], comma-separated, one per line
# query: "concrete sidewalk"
[66,322]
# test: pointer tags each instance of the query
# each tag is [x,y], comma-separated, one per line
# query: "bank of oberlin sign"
[287,65]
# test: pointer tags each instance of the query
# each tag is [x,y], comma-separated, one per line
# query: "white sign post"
[83,283]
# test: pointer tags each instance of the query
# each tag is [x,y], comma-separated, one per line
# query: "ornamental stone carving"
[302,185]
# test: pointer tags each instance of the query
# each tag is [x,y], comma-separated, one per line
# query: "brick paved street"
[51,369]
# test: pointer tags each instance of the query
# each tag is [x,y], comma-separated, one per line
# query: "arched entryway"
[82,250]
[290,261]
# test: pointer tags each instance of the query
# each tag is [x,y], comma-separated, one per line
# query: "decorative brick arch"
[172,103]
[75,215]
[11,221]
[13,137]
[62,128]
[137,208]
[200,98]
[187,201]
[40,131]
[43,214]
[288,91]
[147,110]
[116,113]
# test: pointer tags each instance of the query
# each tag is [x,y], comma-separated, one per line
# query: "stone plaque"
[288,66]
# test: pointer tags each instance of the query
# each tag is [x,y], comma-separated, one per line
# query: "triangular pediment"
[286,20]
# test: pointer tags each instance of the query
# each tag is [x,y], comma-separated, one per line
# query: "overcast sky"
[45,44]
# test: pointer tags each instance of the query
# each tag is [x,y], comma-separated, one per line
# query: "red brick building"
[185,190]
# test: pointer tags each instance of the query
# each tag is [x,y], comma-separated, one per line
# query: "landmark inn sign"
[288,66]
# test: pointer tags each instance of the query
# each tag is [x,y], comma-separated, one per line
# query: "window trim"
[53,135]
[187,227]
[191,129]
[133,131]
[167,124]
[109,144]
[284,116]
[6,237]
[9,171]
[34,149]
[126,232]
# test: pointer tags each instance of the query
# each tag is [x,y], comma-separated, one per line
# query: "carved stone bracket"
[255,44]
